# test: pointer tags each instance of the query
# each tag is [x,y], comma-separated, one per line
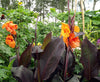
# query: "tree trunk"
[94,3]
[75,6]
[84,5]
[72,4]
[43,13]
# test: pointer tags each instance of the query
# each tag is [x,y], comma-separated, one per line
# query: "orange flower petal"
[74,41]
[13,26]
[10,41]
[3,26]
[66,41]
[12,44]
[65,30]
[7,42]
[10,27]
[76,29]
[64,25]
[10,37]
[13,32]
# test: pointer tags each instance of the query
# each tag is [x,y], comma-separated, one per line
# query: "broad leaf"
[26,56]
[89,59]
[70,63]
[97,79]
[98,56]
[75,78]
[35,50]
[49,59]
[15,63]
[22,74]
[46,40]
[57,78]
[79,34]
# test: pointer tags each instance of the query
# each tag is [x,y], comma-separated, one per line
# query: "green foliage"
[44,29]
[92,32]
[21,17]
[92,22]
[5,73]
[78,66]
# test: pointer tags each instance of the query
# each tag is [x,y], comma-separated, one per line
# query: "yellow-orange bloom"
[39,44]
[10,41]
[68,37]
[76,29]
[33,45]
[65,30]
[65,40]
[10,27]
[19,3]
[74,41]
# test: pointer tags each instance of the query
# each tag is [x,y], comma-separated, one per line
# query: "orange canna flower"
[3,26]
[10,37]
[68,37]
[76,29]
[13,32]
[13,26]
[66,41]
[10,41]
[65,30]
[74,41]
[10,27]
[12,44]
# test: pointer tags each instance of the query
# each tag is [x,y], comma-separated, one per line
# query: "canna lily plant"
[10,27]
[54,60]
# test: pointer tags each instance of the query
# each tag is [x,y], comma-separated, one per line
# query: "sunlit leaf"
[46,40]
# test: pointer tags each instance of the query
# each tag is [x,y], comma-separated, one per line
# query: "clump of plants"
[56,59]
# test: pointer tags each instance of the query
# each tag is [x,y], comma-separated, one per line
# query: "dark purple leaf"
[70,63]
[15,63]
[26,56]
[89,59]
[98,56]
[36,50]
[97,78]
[46,40]
[22,74]
[79,34]
[49,59]
[66,64]
[56,78]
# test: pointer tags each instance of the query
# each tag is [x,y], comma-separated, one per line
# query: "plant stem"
[38,66]
[66,63]
[36,31]
[82,9]
[68,14]
[17,51]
